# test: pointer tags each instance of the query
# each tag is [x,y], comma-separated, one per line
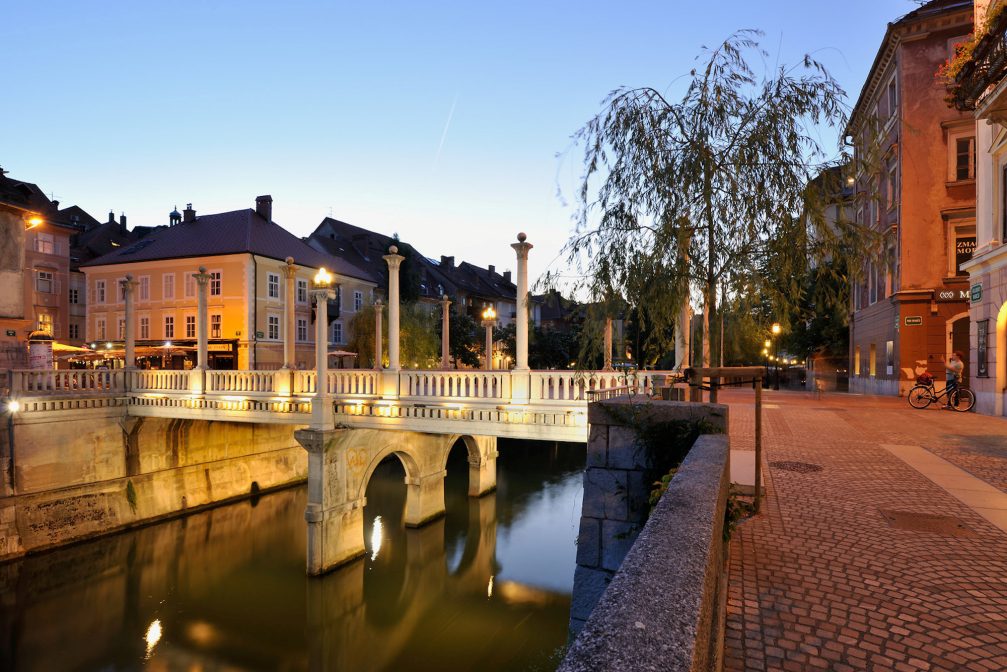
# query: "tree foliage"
[690,194]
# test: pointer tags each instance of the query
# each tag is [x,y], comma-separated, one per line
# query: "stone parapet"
[650,598]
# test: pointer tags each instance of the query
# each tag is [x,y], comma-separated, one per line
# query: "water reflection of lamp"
[153,636]
[377,536]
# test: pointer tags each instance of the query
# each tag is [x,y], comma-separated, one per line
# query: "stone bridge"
[347,424]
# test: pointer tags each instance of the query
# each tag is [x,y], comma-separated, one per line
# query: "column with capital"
[521,375]
[445,332]
[202,281]
[608,345]
[378,310]
[321,406]
[127,290]
[290,326]
[390,380]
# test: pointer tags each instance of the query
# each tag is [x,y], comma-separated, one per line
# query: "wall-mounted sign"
[913,320]
[947,295]
[964,248]
[259,334]
[982,365]
[977,293]
[11,332]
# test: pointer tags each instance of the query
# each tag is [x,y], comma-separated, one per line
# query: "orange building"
[914,161]
[244,253]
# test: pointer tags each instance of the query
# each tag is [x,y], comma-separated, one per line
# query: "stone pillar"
[321,408]
[521,375]
[488,360]
[290,323]
[394,261]
[127,286]
[608,345]
[390,378]
[521,329]
[445,332]
[378,309]
[482,465]
[202,329]
[334,516]
[424,498]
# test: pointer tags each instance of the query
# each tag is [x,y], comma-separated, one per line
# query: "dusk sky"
[448,123]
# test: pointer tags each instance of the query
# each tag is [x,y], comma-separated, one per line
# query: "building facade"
[244,252]
[981,89]
[914,171]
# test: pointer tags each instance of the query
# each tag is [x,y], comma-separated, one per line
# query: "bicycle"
[923,394]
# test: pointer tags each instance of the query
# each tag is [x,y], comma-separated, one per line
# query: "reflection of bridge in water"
[220,586]
[355,419]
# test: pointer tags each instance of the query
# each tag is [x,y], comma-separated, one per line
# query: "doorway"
[960,342]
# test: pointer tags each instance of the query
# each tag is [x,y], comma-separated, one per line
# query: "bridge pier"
[424,499]
[482,464]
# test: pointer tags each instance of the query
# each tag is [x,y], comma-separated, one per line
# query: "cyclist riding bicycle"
[953,370]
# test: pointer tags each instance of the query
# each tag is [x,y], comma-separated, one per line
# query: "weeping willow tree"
[687,195]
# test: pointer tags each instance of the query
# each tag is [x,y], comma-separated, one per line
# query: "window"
[74,296]
[872,280]
[965,158]
[120,294]
[302,329]
[121,329]
[168,286]
[961,246]
[273,328]
[74,331]
[337,332]
[856,361]
[44,282]
[190,326]
[99,328]
[273,285]
[215,277]
[890,357]
[169,326]
[144,328]
[302,291]
[144,288]
[45,323]
[358,301]
[893,103]
[873,360]
[45,243]
[190,285]
[216,322]
[881,280]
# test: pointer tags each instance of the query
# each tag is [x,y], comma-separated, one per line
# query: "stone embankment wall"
[652,599]
[74,479]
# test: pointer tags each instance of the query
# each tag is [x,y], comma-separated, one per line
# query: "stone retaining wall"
[664,607]
[76,479]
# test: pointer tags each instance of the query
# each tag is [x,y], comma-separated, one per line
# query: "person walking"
[953,370]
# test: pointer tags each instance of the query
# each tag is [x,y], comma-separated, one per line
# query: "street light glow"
[13,406]
[768,344]
[776,329]
[34,221]
[489,313]
[323,278]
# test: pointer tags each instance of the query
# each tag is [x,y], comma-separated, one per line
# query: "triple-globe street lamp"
[489,319]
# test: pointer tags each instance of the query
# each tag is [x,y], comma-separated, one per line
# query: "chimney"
[264,206]
[448,262]
[506,276]
[111,217]
[122,222]
[188,215]
[55,205]
[492,269]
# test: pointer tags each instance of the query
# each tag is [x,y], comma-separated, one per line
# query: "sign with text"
[982,365]
[913,320]
[11,332]
[976,293]
[948,295]
[964,247]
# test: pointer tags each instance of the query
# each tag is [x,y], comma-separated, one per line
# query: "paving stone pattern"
[821,580]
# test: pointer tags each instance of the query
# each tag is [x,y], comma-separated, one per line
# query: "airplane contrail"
[444,135]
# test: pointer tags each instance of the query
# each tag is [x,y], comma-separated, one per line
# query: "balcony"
[981,83]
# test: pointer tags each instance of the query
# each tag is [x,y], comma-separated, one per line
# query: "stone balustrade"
[241,382]
[34,382]
[168,380]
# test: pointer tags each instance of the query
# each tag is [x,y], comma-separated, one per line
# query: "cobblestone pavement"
[823,580]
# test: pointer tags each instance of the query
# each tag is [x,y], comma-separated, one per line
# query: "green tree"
[463,339]
[685,195]
[418,343]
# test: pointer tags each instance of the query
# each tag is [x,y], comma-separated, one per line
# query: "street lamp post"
[765,355]
[776,329]
[489,319]
[321,293]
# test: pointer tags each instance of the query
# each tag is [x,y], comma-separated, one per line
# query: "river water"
[485,588]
